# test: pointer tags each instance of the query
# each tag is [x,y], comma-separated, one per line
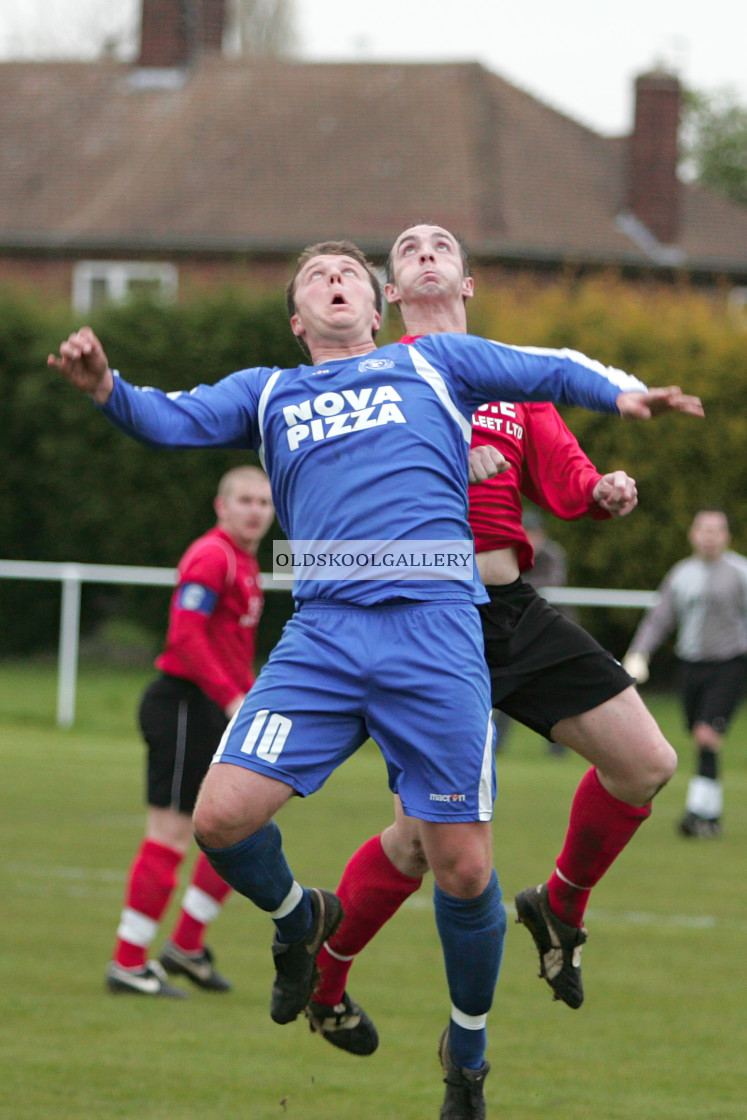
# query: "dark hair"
[426,222]
[335,249]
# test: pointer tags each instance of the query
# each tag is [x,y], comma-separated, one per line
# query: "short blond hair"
[226,484]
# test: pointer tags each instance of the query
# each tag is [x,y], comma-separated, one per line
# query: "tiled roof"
[263,156]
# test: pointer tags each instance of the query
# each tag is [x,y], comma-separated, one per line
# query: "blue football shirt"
[371,448]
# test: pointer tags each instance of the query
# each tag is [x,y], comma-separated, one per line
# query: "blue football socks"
[257,868]
[472,932]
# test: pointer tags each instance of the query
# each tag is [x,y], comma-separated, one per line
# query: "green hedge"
[665,336]
[75,489]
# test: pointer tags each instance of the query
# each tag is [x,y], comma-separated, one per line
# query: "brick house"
[189,168]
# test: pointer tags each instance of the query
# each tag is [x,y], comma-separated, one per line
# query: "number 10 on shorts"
[266,737]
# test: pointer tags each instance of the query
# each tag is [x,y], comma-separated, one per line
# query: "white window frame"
[737,302]
[117,277]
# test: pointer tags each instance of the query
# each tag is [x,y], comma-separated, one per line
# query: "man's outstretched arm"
[83,362]
[644,405]
[219,415]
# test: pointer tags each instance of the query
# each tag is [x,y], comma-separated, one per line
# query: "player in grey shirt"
[705,598]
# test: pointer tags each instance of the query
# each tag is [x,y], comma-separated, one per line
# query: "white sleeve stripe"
[437,383]
[264,397]
[624,381]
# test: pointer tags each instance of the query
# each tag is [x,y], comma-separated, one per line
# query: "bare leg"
[623,741]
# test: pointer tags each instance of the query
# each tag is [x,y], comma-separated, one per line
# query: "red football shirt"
[547,466]
[213,619]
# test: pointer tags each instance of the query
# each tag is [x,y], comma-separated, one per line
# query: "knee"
[460,856]
[234,803]
[209,829]
[636,778]
[655,771]
[706,736]
[466,875]
[412,862]
[663,764]
[169,827]
[216,824]
[404,849]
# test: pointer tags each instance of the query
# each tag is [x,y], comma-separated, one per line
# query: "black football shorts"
[543,666]
[182,728]
[711,691]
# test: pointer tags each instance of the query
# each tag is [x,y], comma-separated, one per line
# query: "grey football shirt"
[707,602]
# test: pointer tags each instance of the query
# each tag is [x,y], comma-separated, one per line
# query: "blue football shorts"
[407,673]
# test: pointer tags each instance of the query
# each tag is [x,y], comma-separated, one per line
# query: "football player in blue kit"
[366,445]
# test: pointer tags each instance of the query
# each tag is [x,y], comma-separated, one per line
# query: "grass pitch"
[661,1034]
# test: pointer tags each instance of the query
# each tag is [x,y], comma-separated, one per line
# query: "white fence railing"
[72,576]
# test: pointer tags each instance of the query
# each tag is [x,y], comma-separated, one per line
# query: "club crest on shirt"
[375,364]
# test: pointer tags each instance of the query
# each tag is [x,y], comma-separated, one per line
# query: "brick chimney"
[176,32]
[653,187]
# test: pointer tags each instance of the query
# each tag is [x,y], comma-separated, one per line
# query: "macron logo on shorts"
[452,797]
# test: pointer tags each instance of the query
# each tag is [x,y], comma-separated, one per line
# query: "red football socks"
[600,827]
[371,891]
[153,878]
[202,903]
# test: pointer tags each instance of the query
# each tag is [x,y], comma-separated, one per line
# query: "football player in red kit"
[545,671]
[206,671]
